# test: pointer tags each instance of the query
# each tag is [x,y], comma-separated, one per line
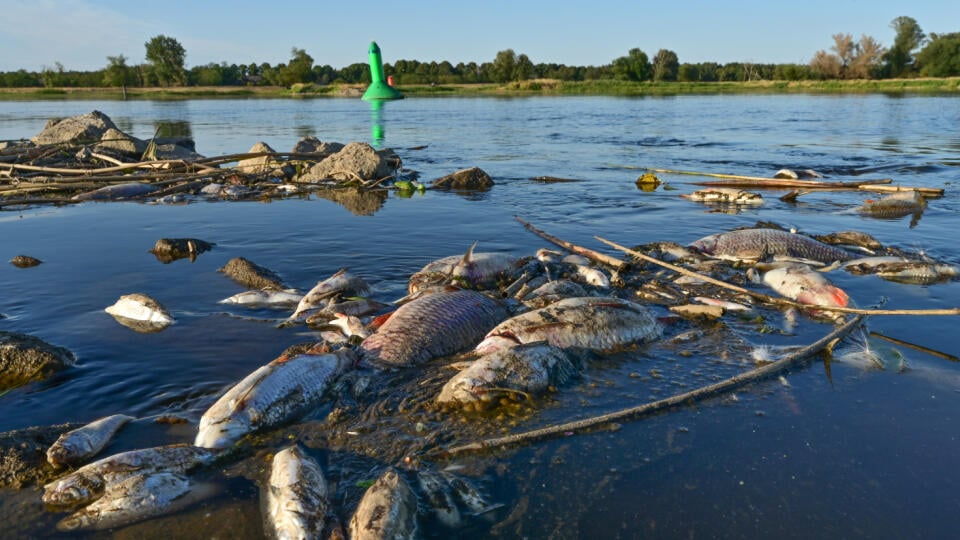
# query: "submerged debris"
[25,261]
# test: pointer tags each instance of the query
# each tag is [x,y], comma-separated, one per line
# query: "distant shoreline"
[551,87]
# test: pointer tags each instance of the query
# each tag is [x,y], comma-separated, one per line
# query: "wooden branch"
[758,181]
[925,191]
[595,256]
[791,360]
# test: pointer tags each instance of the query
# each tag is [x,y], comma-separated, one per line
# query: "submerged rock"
[167,250]
[472,178]
[25,261]
[25,358]
[252,275]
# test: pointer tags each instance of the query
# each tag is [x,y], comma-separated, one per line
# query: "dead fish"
[725,304]
[115,192]
[599,324]
[439,498]
[354,305]
[140,307]
[869,265]
[271,395]
[851,238]
[805,285]
[297,497]
[432,326]
[525,369]
[786,173]
[895,205]
[549,256]
[757,244]
[724,196]
[89,482]
[25,261]
[553,291]
[474,270]
[342,283]
[349,325]
[916,272]
[134,499]
[591,276]
[85,442]
[388,510]
[468,494]
[263,298]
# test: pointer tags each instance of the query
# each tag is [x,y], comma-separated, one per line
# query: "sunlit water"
[851,451]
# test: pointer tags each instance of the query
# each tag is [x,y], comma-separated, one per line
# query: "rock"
[252,275]
[23,455]
[167,250]
[310,145]
[88,127]
[176,151]
[25,261]
[257,164]
[118,141]
[355,161]
[25,358]
[472,178]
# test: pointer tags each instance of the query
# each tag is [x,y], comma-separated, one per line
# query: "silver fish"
[553,291]
[296,495]
[439,498]
[917,272]
[895,205]
[140,307]
[869,265]
[591,276]
[471,269]
[89,482]
[274,299]
[468,493]
[115,192]
[600,324]
[271,395]
[139,497]
[805,285]
[432,326]
[342,283]
[724,196]
[757,244]
[528,368]
[388,510]
[85,442]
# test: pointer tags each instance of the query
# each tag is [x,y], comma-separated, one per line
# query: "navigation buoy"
[378,89]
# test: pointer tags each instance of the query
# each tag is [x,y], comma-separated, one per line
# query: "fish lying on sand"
[525,369]
[805,285]
[139,497]
[388,509]
[140,307]
[296,495]
[435,325]
[724,196]
[271,395]
[341,283]
[596,323]
[759,244]
[261,298]
[85,442]
[474,270]
[89,482]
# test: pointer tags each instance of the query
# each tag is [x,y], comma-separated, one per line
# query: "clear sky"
[80,34]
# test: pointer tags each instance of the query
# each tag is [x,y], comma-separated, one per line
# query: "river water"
[840,449]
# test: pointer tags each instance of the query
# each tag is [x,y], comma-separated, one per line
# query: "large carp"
[271,395]
[296,495]
[435,325]
[388,510]
[529,369]
[758,244]
[596,323]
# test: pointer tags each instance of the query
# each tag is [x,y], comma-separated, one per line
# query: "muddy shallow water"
[839,448]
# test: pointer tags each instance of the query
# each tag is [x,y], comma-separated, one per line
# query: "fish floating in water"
[472,270]
[435,325]
[525,369]
[895,205]
[88,483]
[341,283]
[724,196]
[595,323]
[297,500]
[85,442]
[131,190]
[805,285]
[388,509]
[140,308]
[265,298]
[271,395]
[758,244]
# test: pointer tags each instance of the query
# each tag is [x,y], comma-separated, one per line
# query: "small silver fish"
[342,283]
[89,482]
[917,272]
[388,510]
[591,276]
[115,192]
[600,324]
[553,291]
[271,395]
[273,299]
[296,495]
[468,493]
[85,442]
[140,307]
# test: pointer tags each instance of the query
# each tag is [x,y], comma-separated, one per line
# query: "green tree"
[166,57]
[117,72]
[665,65]
[298,70]
[52,76]
[524,69]
[635,66]
[899,59]
[504,66]
[941,56]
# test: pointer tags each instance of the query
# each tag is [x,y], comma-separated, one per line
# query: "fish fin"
[378,321]
[468,256]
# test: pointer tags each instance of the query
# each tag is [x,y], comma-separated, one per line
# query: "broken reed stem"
[793,359]
[916,347]
[774,300]
[759,181]
[595,256]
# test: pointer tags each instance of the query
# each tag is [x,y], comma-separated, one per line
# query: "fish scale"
[755,244]
[432,326]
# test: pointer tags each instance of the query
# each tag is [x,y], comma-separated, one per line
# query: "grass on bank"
[606,87]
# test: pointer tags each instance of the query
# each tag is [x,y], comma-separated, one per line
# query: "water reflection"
[173,128]
[377,131]
[360,202]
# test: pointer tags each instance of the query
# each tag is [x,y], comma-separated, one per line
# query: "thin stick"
[793,359]
[596,256]
[926,192]
[916,347]
[759,181]
[774,300]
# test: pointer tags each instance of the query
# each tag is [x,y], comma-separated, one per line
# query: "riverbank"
[950,86]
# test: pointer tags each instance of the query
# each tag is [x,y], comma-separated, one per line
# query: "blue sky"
[80,34]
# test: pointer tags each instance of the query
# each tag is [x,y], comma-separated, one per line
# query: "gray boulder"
[118,141]
[257,164]
[25,358]
[85,128]
[472,178]
[311,145]
[355,161]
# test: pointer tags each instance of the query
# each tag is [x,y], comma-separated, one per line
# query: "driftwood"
[595,256]
[791,360]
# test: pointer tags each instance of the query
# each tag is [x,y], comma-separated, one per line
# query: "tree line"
[912,53]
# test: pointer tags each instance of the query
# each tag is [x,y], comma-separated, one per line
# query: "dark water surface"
[853,451]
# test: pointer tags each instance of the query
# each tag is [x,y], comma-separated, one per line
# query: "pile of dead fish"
[521,325]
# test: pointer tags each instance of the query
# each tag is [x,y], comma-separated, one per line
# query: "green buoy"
[378,89]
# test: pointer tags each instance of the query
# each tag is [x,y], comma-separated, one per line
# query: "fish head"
[74,490]
[60,454]
[220,433]
[706,245]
